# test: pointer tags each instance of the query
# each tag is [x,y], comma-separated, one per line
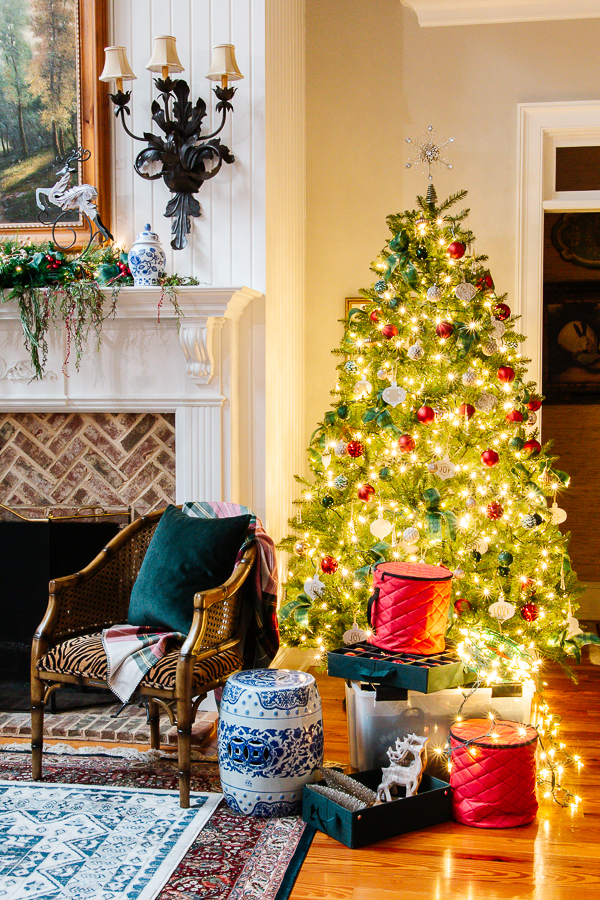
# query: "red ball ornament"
[532,447]
[355,449]
[502,311]
[389,331]
[444,329]
[374,316]
[506,374]
[365,492]
[514,416]
[494,510]
[489,458]
[534,405]
[406,443]
[526,583]
[329,565]
[426,414]
[456,250]
[462,605]
[465,409]
[529,612]
[486,282]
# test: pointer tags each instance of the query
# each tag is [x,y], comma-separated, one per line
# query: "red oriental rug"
[234,858]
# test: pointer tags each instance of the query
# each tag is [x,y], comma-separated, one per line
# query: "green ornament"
[327,501]
[504,571]
[386,474]
[476,555]
[516,443]
[342,411]
[394,302]
[505,558]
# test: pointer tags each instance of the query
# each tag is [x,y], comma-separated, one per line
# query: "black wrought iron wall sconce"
[187,157]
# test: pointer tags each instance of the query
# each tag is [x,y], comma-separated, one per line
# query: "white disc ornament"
[362,388]
[465,291]
[558,515]
[340,448]
[470,502]
[326,460]
[355,635]
[446,468]
[381,528]
[469,378]
[502,610]
[410,535]
[489,348]
[393,395]
[498,329]
[434,293]
[416,351]
[485,403]
[314,587]
[481,546]
[459,573]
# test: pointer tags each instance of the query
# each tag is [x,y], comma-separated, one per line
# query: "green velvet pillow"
[185,555]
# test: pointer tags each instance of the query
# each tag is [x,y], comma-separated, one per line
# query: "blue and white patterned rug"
[82,842]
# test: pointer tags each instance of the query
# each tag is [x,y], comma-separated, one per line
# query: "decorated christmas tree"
[431,453]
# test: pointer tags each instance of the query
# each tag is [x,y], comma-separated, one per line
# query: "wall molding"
[489,12]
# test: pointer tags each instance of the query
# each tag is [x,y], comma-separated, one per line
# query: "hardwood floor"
[555,858]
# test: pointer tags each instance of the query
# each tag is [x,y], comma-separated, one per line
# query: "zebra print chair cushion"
[85,656]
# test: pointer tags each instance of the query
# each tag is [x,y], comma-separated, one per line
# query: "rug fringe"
[119,752]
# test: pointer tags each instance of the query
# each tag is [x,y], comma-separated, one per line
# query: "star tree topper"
[429,152]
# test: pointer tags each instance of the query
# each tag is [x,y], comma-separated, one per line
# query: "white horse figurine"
[80,197]
[404,771]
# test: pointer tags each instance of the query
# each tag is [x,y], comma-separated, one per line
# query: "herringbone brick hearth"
[70,460]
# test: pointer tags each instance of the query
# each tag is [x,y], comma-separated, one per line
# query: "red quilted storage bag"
[493,779]
[409,607]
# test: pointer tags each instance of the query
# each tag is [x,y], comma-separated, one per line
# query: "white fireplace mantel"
[151,361]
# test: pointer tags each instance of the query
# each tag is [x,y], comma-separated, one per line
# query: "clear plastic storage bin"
[374,725]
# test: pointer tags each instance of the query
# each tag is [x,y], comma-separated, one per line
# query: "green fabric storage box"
[431,805]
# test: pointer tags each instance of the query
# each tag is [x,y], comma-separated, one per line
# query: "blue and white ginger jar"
[146,258]
[270,740]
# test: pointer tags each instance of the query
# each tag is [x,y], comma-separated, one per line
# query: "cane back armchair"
[67,647]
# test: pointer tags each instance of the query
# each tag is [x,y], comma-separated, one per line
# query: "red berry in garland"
[426,414]
[494,510]
[374,316]
[462,605]
[532,447]
[365,492]
[465,409]
[530,612]
[514,416]
[355,449]
[456,250]
[489,458]
[389,331]
[444,329]
[406,443]
[506,374]
[534,405]
[329,565]
[502,311]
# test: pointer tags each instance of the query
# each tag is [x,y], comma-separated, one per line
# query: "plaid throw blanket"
[132,650]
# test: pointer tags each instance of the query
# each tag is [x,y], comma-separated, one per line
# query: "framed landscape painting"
[51,102]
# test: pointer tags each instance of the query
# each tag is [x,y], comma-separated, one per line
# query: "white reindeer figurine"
[402,770]
[80,196]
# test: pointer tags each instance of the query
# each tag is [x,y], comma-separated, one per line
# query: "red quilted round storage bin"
[409,607]
[493,778]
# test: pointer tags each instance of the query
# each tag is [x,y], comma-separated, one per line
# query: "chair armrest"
[204,601]
[97,596]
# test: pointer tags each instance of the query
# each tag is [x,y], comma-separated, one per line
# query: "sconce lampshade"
[116,65]
[164,55]
[223,64]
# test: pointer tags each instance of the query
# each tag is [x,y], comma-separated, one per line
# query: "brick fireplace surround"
[158,415]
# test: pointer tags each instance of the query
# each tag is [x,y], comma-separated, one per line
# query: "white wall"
[374,78]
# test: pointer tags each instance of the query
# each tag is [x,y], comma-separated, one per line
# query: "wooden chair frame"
[71,613]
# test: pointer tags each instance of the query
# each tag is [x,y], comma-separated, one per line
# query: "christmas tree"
[431,453]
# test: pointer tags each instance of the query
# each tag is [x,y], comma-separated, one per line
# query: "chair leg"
[154,720]
[37,727]
[184,751]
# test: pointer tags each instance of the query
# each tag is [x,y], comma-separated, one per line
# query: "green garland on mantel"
[55,288]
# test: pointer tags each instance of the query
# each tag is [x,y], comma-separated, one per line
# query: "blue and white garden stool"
[270,740]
